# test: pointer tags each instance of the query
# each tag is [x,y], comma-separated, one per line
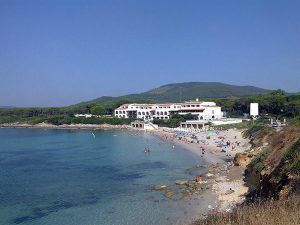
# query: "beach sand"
[226,179]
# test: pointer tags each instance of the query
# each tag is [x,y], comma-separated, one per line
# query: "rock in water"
[169,194]
[159,187]
[181,182]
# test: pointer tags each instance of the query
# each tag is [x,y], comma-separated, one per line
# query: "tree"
[98,110]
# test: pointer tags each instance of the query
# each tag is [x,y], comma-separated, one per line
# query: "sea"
[83,177]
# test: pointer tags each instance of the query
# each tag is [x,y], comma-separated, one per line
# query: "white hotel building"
[204,110]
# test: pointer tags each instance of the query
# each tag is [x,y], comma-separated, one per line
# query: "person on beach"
[228,192]
[199,179]
[203,152]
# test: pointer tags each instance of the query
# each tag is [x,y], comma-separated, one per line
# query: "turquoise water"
[68,177]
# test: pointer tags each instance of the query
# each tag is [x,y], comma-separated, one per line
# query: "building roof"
[191,109]
[193,102]
[144,105]
[166,104]
[125,106]
[212,106]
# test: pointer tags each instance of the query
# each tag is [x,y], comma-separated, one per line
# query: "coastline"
[224,179]
[221,176]
[65,126]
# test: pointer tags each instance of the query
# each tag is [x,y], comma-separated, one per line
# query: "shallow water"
[68,177]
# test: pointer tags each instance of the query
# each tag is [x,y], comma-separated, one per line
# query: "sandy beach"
[225,179]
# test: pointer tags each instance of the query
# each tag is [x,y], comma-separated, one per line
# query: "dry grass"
[281,142]
[269,213]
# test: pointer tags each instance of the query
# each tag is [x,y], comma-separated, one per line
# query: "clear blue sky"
[60,52]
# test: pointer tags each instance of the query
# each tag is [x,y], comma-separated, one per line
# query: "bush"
[174,121]
[292,160]
[259,166]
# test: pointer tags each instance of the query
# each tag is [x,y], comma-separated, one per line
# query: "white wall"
[162,111]
[226,121]
[254,109]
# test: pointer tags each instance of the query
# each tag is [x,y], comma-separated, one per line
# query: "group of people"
[203,151]
[147,150]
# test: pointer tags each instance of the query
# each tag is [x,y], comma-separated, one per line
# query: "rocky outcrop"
[243,159]
[273,166]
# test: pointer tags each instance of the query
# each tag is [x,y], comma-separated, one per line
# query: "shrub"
[259,166]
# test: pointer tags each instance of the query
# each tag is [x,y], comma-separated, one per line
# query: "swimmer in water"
[147,150]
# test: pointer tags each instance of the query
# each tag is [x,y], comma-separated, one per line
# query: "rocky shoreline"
[222,178]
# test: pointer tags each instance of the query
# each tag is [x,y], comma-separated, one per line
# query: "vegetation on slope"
[292,160]
[59,115]
[276,104]
[187,91]
[276,166]
[266,213]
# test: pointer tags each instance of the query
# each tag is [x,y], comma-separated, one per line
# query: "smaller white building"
[144,125]
[84,115]
[254,109]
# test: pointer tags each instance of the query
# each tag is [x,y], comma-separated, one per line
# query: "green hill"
[188,91]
